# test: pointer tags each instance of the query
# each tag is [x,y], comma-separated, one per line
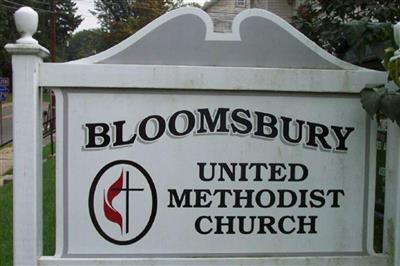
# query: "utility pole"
[53,52]
[53,44]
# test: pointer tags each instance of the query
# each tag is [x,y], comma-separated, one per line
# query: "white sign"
[187,174]
[184,146]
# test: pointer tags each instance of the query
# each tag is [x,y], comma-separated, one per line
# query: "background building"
[222,12]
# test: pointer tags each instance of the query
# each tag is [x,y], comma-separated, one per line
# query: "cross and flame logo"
[109,211]
[112,201]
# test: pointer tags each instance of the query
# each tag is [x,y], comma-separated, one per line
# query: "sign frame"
[31,75]
[63,100]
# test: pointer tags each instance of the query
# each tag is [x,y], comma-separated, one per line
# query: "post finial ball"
[26,21]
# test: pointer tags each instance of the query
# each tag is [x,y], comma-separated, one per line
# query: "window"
[240,3]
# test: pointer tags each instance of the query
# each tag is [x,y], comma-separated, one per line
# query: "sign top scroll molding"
[182,40]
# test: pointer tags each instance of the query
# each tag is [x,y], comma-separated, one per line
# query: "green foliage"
[371,99]
[110,12]
[5,37]
[6,224]
[121,19]
[359,34]
[6,211]
[66,22]
[391,106]
[348,26]
[192,4]
[49,211]
[85,43]
[381,101]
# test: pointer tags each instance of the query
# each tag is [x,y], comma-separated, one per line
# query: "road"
[6,124]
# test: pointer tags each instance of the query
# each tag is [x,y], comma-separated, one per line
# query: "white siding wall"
[223,11]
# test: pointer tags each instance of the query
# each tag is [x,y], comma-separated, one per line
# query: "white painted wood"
[27,157]
[234,36]
[371,158]
[392,195]
[59,174]
[211,78]
[378,260]
[341,230]
[391,234]
[27,49]
[26,22]
[30,73]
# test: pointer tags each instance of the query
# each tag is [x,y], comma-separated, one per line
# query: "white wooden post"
[391,239]
[27,54]
[392,195]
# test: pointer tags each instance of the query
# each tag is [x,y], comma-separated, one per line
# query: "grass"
[6,230]
[46,95]
[8,98]
[49,201]
[6,234]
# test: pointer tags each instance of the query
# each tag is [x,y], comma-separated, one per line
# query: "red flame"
[109,211]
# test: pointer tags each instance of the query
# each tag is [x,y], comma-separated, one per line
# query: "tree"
[85,43]
[67,22]
[5,68]
[120,19]
[348,26]
[110,12]
[383,101]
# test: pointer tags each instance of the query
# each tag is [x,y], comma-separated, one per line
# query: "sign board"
[260,172]
[3,93]
[3,89]
[4,81]
[211,174]
[183,146]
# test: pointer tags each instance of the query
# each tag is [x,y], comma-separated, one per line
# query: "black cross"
[127,190]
